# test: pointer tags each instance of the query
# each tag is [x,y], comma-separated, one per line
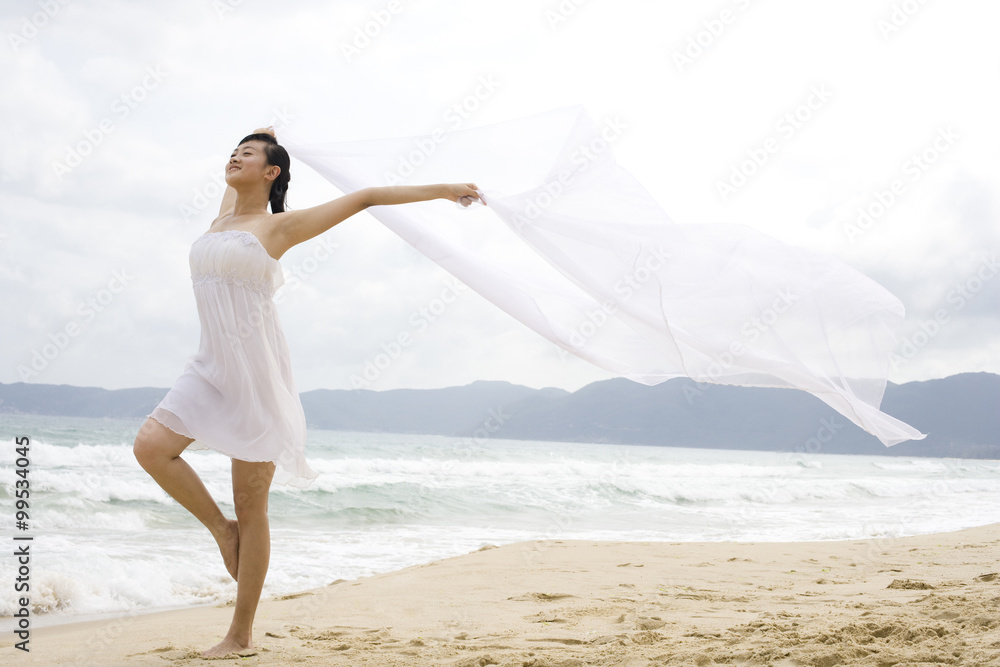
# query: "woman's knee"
[250,506]
[253,512]
[155,442]
[251,487]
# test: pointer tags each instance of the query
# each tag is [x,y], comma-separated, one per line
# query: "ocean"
[107,540]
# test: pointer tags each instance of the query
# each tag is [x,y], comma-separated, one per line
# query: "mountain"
[446,411]
[959,413]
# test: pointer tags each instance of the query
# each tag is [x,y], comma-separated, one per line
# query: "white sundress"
[236,394]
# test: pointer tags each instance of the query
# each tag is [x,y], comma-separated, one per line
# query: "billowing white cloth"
[574,247]
[237,395]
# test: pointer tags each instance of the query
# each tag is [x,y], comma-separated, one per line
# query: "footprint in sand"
[293,596]
[909,584]
[543,617]
[478,661]
[168,653]
[559,640]
[649,623]
[542,597]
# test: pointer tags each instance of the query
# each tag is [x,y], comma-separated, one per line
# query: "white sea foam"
[108,539]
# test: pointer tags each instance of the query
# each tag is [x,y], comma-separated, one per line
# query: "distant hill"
[959,413]
[448,411]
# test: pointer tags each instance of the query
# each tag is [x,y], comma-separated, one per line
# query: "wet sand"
[932,599]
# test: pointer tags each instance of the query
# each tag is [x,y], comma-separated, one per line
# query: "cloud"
[179,84]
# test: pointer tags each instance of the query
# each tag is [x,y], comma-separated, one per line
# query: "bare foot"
[227,646]
[229,545]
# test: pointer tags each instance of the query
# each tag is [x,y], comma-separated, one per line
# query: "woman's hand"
[463,193]
[265,130]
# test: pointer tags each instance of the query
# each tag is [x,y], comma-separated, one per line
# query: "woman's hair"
[276,155]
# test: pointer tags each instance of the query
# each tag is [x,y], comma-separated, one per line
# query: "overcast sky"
[786,116]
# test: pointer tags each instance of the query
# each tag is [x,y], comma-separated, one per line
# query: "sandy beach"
[929,599]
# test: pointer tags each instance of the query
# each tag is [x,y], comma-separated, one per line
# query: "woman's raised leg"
[158,451]
[251,485]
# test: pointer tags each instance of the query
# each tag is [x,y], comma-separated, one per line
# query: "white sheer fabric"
[571,245]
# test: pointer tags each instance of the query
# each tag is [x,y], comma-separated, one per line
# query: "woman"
[237,395]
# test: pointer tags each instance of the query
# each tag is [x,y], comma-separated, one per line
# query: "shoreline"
[907,599]
[55,620]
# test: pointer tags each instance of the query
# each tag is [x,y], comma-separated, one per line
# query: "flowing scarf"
[571,245]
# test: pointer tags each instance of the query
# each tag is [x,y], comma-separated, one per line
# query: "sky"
[866,129]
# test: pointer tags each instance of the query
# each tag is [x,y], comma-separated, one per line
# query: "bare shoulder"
[273,233]
[276,222]
[294,227]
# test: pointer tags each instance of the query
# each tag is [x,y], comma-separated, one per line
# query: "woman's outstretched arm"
[404,194]
[301,225]
[228,201]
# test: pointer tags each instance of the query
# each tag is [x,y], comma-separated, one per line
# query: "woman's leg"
[251,484]
[158,451]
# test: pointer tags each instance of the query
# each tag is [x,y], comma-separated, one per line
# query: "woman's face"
[248,164]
